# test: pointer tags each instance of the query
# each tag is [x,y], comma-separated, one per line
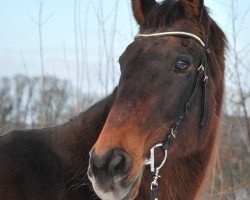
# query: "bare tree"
[106,46]
[21,102]
[40,22]
[76,8]
[238,69]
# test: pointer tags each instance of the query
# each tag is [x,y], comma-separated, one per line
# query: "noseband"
[201,77]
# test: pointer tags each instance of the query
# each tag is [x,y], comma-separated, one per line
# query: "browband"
[173,33]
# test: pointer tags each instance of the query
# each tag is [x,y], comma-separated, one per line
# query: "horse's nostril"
[120,164]
[116,163]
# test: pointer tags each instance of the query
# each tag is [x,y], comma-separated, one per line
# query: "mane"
[165,14]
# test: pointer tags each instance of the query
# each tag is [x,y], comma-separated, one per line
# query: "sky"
[19,41]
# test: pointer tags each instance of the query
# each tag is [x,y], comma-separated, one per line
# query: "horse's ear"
[193,7]
[141,8]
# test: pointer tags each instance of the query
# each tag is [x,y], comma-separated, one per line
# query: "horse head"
[170,89]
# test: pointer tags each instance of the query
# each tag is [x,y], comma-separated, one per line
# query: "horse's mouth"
[131,194]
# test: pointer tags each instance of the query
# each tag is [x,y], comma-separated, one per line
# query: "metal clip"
[151,160]
[201,68]
[155,180]
[154,188]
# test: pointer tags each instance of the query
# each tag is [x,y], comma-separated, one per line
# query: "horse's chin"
[134,189]
[134,194]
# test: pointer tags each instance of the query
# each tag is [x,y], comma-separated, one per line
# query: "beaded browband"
[173,33]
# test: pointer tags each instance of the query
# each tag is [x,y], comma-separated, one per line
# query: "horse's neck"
[183,177]
[72,141]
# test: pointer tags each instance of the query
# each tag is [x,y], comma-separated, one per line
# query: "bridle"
[202,77]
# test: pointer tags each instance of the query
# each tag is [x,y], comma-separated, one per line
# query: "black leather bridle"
[202,78]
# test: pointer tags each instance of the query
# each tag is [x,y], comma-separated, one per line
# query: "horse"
[160,136]
[51,163]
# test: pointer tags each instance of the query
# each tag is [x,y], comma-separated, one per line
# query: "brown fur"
[137,9]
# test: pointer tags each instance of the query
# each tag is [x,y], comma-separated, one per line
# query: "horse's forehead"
[157,46]
[132,50]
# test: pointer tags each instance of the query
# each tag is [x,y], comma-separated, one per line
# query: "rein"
[202,77]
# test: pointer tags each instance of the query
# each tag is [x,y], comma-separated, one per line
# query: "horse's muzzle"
[108,173]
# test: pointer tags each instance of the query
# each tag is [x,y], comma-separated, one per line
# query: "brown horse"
[51,163]
[170,93]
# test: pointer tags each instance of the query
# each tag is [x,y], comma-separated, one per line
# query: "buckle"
[151,160]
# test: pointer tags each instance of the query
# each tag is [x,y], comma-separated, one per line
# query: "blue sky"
[19,34]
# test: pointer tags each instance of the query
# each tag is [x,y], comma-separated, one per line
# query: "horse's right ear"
[141,8]
[193,7]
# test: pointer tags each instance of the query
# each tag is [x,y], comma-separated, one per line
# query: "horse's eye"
[181,65]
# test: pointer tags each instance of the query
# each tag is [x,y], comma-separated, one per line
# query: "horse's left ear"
[193,7]
[142,8]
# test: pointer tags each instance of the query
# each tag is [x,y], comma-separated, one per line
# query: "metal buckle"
[151,160]
[201,68]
